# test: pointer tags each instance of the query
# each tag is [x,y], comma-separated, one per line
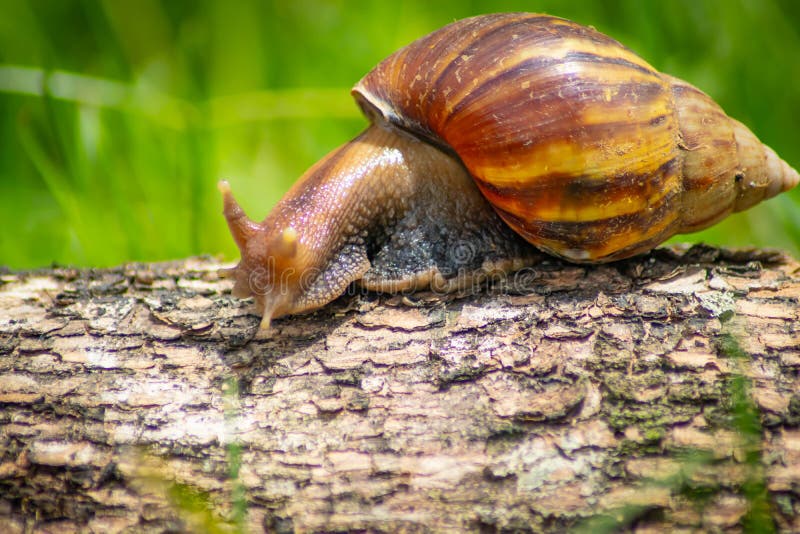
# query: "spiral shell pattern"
[575,140]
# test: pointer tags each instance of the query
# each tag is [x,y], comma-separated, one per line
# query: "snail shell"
[580,145]
[574,141]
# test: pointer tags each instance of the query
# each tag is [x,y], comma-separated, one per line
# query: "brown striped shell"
[582,147]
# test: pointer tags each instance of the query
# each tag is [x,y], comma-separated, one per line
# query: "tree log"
[661,392]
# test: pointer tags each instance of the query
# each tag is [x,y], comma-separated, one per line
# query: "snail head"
[268,270]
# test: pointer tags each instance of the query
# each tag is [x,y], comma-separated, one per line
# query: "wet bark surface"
[659,392]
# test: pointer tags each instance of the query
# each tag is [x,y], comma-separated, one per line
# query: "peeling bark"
[657,393]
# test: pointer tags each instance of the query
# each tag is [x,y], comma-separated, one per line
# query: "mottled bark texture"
[659,392]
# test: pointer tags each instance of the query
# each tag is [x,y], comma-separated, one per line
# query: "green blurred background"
[117,118]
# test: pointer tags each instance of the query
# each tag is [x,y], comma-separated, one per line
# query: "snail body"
[492,134]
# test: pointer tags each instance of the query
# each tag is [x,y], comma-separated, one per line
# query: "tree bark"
[655,393]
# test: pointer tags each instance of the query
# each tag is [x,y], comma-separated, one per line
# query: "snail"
[491,139]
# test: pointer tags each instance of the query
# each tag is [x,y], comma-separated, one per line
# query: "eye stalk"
[242,228]
[285,245]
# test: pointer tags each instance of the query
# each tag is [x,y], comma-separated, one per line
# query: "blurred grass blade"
[22,80]
[306,103]
[97,92]
[303,103]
